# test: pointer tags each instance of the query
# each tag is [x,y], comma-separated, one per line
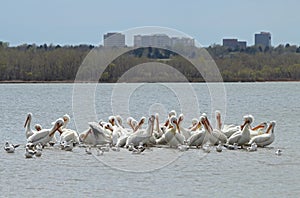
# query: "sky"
[72,22]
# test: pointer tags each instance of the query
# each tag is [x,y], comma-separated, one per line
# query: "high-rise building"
[234,44]
[263,39]
[161,40]
[114,39]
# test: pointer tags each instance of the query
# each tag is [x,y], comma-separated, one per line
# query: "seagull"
[29,153]
[253,147]
[100,152]
[183,147]
[219,147]
[115,148]
[10,148]
[38,150]
[235,146]
[206,148]
[130,147]
[88,150]
[138,151]
[278,152]
[67,146]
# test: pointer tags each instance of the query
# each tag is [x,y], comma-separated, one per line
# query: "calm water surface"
[159,172]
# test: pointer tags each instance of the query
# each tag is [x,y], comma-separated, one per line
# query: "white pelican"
[157,130]
[171,113]
[242,137]
[67,135]
[95,135]
[45,135]
[173,136]
[66,119]
[28,131]
[228,130]
[10,148]
[195,121]
[200,137]
[131,122]
[258,130]
[215,135]
[142,135]
[120,121]
[185,132]
[265,139]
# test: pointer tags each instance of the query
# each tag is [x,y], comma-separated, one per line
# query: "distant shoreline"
[72,81]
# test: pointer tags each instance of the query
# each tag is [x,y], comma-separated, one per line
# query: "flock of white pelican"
[114,135]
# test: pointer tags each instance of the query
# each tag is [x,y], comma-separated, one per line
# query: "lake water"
[158,172]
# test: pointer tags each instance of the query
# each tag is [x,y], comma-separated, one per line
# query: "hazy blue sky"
[74,22]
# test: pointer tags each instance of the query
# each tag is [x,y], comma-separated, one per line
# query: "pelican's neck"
[157,123]
[65,124]
[246,128]
[218,119]
[53,129]
[150,127]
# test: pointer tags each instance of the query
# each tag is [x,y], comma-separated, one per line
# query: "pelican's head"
[143,119]
[180,118]
[218,119]
[174,123]
[66,118]
[249,118]
[112,120]
[119,118]
[108,126]
[218,114]
[151,120]
[194,121]
[101,123]
[203,122]
[134,123]
[271,127]
[129,120]
[28,119]
[58,123]
[38,127]
[172,113]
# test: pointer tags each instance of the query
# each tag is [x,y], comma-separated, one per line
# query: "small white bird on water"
[10,148]
[38,150]
[219,147]
[206,148]
[88,150]
[29,153]
[183,147]
[253,147]
[278,152]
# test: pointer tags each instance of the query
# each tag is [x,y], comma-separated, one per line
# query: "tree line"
[30,62]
